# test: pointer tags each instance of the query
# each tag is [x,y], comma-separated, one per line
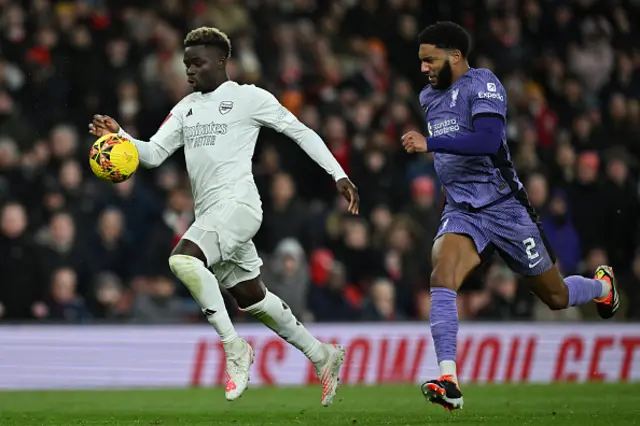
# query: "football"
[113,158]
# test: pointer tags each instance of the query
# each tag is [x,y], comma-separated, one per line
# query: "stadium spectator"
[64,302]
[287,275]
[561,233]
[503,301]
[109,299]
[111,249]
[331,298]
[22,291]
[158,305]
[381,302]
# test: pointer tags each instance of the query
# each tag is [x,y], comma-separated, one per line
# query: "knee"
[190,249]
[557,301]
[181,263]
[248,293]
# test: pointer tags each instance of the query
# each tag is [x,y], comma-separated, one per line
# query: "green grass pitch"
[557,405]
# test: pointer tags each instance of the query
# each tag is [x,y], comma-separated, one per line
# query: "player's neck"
[217,84]
[460,72]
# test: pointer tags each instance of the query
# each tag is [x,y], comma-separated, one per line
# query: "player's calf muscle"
[557,299]
[248,293]
[557,302]
[550,289]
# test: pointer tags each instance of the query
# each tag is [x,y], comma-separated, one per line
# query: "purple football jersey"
[475,181]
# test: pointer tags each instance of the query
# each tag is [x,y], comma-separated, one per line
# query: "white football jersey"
[219,130]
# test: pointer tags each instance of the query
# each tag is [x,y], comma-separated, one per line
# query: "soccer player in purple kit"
[487,207]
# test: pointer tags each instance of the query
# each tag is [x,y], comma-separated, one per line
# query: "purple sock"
[444,323]
[583,290]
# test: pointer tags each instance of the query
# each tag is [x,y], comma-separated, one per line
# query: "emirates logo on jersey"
[225,107]
[202,135]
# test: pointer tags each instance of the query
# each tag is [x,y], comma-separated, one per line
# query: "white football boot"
[239,356]
[328,371]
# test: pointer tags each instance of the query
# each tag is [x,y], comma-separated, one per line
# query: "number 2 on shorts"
[529,246]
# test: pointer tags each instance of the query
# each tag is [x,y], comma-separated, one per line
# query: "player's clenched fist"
[102,125]
[414,142]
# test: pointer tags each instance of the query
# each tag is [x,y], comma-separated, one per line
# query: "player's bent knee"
[188,248]
[181,264]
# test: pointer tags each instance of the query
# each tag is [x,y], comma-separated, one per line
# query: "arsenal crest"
[225,107]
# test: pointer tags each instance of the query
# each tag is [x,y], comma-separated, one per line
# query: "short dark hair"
[209,36]
[447,35]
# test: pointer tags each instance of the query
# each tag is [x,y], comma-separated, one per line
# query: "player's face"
[436,64]
[203,65]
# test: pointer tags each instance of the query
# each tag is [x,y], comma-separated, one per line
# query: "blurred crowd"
[75,249]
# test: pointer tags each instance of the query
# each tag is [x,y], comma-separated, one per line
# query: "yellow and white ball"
[113,158]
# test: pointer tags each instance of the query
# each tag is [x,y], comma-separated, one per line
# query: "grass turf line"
[558,405]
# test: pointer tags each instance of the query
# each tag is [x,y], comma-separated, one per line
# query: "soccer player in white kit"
[218,125]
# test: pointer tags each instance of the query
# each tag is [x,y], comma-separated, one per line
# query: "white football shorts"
[224,235]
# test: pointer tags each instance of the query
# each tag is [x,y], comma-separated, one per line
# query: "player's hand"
[103,125]
[413,141]
[350,192]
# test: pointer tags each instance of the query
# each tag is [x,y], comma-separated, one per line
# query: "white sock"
[276,315]
[204,288]
[606,289]
[448,368]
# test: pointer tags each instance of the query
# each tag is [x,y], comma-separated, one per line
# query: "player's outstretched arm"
[314,146]
[153,153]
[271,113]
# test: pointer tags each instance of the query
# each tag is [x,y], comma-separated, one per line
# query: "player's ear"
[455,56]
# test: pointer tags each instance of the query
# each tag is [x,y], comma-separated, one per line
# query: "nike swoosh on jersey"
[532,265]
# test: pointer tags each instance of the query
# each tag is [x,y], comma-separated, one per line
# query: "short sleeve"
[488,95]
[269,112]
